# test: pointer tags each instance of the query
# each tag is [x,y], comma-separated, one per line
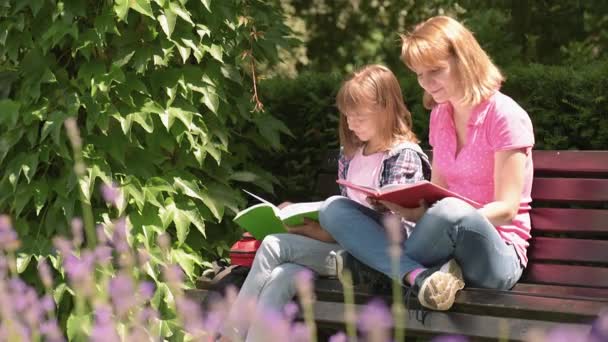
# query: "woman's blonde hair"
[435,41]
[376,89]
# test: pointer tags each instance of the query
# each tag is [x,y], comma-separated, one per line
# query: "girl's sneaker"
[437,287]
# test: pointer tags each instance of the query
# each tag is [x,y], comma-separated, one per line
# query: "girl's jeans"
[271,280]
[449,229]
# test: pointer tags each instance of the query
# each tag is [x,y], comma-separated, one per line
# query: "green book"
[265,218]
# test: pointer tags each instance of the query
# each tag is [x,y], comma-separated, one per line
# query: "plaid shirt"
[404,163]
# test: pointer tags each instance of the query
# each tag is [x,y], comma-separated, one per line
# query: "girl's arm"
[509,169]
[311,229]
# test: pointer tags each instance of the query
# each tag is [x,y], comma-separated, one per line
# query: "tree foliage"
[343,34]
[162,93]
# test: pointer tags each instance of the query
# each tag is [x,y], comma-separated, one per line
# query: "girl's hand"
[376,205]
[410,214]
[312,229]
[283,205]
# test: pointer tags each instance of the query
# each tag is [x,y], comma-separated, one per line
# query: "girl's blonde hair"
[435,41]
[376,89]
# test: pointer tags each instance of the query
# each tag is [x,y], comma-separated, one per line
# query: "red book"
[408,195]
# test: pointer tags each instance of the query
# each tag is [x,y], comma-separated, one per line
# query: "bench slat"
[487,302]
[565,220]
[570,189]
[331,315]
[566,275]
[555,291]
[568,250]
[571,161]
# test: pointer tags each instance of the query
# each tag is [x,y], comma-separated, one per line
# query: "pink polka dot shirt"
[496,124]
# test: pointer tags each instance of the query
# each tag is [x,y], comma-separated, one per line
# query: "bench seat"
[565,283]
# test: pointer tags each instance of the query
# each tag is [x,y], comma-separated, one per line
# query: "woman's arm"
[509,169]
[437,178]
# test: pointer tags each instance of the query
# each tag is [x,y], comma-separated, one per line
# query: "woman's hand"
[410,214]
[312,229]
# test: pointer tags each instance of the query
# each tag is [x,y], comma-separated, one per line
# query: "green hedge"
[568,108]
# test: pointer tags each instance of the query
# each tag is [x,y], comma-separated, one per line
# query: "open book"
[408,195]
[265,218]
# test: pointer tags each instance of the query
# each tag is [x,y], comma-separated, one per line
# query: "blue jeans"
[449,229]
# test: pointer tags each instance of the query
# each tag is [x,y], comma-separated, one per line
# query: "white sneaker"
[438,289]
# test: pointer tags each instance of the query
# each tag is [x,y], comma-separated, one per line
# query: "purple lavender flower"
[9,241]
[104,329]
[79,272]
[63,245]
[304,280]
[164,241]
[102,237]
[339,337]
[290,310]
[375,317]
[77,226]
[173,275]
[110,193]
[300,332]
[103,255]
[392,224]
[45,273]
[599,328]
[122,293]
[50,330]
[146,290]
[119,238]
[191,315]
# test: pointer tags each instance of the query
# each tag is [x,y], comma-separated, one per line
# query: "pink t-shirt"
[496,124]
[364,170]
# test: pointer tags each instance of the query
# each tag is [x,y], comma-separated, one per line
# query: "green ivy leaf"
[216,51]
[23,261]
[9,113]
[167,22]
[181,12]
[121,8]
[207,4]
[187,261]
[244,176]
[142,6]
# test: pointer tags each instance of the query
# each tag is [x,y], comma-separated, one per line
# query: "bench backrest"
[569,217]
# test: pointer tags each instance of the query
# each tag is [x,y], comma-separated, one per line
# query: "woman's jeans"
[271,280]
[449,229]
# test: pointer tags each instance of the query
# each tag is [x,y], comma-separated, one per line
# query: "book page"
[295,209]
[274,207]
[364,189]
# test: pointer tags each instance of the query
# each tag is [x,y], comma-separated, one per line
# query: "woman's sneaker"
[437,288]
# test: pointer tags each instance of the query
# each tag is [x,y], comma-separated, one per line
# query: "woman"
[482,143]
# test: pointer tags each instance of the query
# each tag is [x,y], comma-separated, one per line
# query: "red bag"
[243,251]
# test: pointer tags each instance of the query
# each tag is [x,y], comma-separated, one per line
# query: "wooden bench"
[566,281]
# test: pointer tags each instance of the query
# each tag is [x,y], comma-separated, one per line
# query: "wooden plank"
[554,291]
[571,161]
[570,189]
[568,250]
[565,220]
[331,314]
[489,302]
[572,275]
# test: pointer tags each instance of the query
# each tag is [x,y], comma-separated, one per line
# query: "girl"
[481,143]
[378,148]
